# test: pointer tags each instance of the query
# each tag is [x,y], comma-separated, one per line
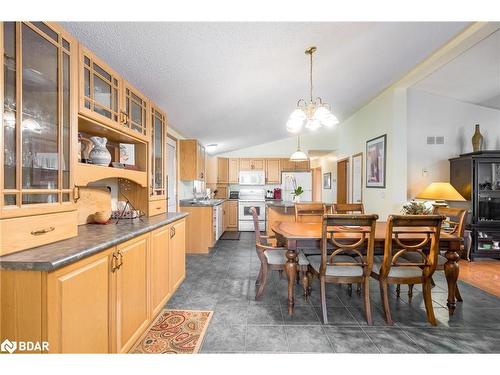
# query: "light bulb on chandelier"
[313,114]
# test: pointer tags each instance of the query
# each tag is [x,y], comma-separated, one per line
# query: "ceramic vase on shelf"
[100,154]
[477,140]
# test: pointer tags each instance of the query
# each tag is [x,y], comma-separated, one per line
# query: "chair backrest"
[421,231]
[309,212]
[455,219]
[348,208]
[255,216]
[337,228]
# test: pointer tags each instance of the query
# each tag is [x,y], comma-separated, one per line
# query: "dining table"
[295,236]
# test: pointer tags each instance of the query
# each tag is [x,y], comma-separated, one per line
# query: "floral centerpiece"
[417,208]
[297,190]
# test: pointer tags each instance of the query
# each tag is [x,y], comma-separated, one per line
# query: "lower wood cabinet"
[100,304]
[79,306]
[232,223]
[130,289]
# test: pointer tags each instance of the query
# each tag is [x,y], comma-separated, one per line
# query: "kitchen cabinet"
[160,267]
[100,90]
[134,110]
[79,306]
[222,170]
[177,254]
[252,164]
[39,91]
[273,171]
[288,165]
[225,218]
[158,174]
[222,191]
[234,170]
[200,236]
[233,215]
[131,303]
[192,160]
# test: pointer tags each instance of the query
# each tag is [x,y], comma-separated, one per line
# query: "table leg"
[451,272]
[291,271]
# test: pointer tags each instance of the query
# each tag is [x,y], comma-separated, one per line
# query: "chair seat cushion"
[338,271]
[413,257]
[277,257]
[408,271]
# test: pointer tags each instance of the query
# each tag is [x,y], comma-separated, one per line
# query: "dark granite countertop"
[200,202]
[91,239]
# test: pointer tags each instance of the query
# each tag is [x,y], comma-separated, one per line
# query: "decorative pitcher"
[100,154]
[477,140]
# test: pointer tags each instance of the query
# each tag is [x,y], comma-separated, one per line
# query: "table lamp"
[440,192]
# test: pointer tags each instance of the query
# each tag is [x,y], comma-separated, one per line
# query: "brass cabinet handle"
[42,231]
[119,265]
[172,232]
[76,194]
[113,262]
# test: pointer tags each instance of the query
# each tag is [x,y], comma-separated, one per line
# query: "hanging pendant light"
[313,114]
[299,155]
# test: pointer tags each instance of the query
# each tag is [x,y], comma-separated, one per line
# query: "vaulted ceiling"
[235,84]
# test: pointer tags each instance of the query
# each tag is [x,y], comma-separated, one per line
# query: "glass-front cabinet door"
[99,90]
[158,156]
[488,192]
[135,111]
[37,121]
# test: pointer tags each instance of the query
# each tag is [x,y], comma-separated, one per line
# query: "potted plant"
[296,193]
[416,208]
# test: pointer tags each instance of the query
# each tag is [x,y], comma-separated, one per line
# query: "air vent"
[431,140]
[440,140]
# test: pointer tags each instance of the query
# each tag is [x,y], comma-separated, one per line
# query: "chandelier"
[313,114]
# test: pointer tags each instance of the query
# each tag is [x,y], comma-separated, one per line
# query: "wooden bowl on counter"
[102,217]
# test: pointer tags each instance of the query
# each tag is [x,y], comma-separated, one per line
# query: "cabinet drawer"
[25,232]
[157,207]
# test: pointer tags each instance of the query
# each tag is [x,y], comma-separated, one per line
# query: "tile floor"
[223,281]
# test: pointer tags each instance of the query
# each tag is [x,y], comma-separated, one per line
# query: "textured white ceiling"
[236,83]
[472,77]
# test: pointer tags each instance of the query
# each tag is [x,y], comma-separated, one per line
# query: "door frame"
[176,140]
[347,161]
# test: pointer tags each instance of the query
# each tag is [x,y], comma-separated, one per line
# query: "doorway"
[317,184]
[342,180]
[171,173]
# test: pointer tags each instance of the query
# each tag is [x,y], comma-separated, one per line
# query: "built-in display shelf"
[86,173]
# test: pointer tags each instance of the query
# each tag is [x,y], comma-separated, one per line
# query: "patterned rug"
[175,332]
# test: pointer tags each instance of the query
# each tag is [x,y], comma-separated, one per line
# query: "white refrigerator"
[303,179]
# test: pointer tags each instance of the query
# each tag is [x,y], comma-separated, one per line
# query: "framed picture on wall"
[376,152]
[327,180]
[357,178]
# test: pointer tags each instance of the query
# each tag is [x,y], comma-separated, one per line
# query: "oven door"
[244,213]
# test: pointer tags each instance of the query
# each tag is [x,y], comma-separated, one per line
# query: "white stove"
[249,198]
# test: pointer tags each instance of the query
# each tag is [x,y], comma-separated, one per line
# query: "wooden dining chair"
[348,208]
[346,264]
[309,212]
[453,224]
[393,268]
[272,258]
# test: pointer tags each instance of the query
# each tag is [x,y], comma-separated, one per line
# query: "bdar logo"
[8,346]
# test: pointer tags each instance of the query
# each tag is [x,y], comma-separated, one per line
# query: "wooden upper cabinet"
[222,170]
[100,90]
[134,110]
[252,164]
[234,171]
[295,166]
[192,160]
[273,171]
[158,174]
[108,99]
[38,90]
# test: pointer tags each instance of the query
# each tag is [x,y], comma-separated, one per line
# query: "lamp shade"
[299,155]
[440,191]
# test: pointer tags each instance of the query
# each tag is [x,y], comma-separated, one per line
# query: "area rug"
[229,235]
[175,332]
